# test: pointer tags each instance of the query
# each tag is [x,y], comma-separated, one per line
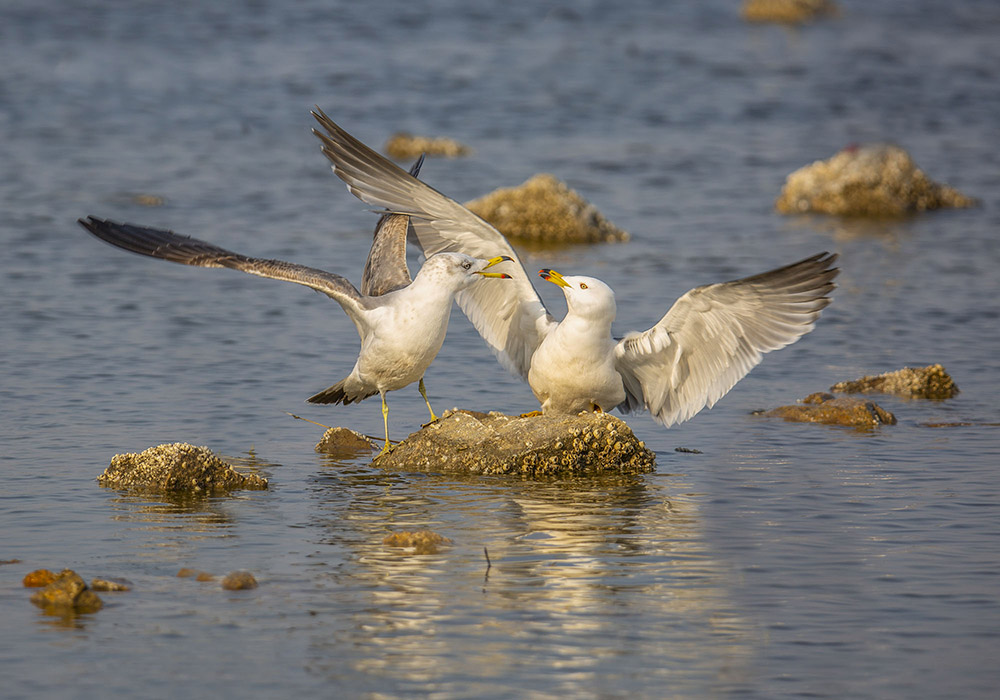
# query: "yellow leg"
[385,419]
[423,392]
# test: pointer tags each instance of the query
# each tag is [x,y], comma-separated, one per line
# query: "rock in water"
[877,180]
[544,210]
[787,11]
[67,594]
[344,443]
[494,443]
[403,146]
[177,468]
[930,382]
[824,408]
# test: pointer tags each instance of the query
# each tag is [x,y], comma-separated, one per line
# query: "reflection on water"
[585,574]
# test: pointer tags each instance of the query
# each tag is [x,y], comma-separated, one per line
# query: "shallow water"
[785,560]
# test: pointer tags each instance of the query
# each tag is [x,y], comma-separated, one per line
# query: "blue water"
[786,560]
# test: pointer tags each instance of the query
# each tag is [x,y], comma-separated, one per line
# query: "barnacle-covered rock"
[495,443]
[545,210]
[930,382]
[877,180]
[177,468]
[824,408]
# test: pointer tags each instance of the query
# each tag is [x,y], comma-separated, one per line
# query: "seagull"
[402,322]
[710,338]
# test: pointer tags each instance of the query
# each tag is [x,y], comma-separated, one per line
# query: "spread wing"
[167,245]
[385,269]
[510,317]
[713,335]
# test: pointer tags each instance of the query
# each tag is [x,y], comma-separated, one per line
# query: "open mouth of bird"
[495,261]
[552,276]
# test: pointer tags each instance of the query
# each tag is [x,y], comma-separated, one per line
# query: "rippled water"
[785,560]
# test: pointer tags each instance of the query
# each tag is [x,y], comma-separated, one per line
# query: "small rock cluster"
[846,411]
[176,468]
[930,382]
[545,210]
[534,446]
[404,146]
[877,180]
[787,11]
[66,593]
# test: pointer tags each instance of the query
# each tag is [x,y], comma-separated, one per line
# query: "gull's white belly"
[573,377]
[401,351]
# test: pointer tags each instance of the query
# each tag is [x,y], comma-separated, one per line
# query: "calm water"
[786,560]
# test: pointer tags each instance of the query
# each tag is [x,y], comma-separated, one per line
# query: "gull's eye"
[583,285]
[467,265]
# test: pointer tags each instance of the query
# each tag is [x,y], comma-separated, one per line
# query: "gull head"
[458,271]
[585,296]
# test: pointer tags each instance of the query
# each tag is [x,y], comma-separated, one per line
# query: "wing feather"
[714,335]
[510,317]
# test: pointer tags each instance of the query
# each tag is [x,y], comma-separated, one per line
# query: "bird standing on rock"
[710,338]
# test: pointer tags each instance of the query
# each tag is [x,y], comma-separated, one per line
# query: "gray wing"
[167,245]
[385,269]
[714,335]
[510,317]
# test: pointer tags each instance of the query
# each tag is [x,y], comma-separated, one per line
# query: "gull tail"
[342,392]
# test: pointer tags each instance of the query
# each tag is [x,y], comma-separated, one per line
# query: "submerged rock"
[876,180]
[68,593]
[404,146]
[176,468]
[494,443]
[344,443]
[544,210]
[824,408]
[422,541]
[239,581]
[787,11]
[103,584]
[930,382]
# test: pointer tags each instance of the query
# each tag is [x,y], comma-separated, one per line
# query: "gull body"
[709,339]
[401,322]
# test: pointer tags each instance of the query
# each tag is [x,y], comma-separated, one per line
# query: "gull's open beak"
[553,277]
[494,261]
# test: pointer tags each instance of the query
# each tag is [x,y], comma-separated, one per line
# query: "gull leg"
[385,419]
[423,392]
[530,414]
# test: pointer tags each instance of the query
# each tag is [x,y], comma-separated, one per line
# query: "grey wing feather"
[167,245]
[385,269]
[510,317]
[714,335]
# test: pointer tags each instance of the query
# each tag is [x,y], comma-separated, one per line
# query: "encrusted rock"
[494,443]
[176,468]
[824,408]
[238,581]
[103,584]
[67,594]
[787,11]
[422,541]
[877,180]
[38,578]
[344,443]
[930,382]
[544,210]
[404,146]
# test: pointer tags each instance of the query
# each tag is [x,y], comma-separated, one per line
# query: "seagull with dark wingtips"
[709,339]
[402,322]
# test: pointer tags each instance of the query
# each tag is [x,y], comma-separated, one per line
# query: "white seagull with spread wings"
[402,322]
[709,339]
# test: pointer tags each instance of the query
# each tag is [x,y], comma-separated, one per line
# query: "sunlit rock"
[421,541]
[787,11]
[930,382]
[824,408]
[494,443]
[239,581]
[38,578]
[404,146]
[176,468]
[877,180]
[344,443]
[103,584]
[68,593]
[544,210]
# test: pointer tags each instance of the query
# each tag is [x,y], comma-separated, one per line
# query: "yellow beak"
[553,277]
[494,261]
